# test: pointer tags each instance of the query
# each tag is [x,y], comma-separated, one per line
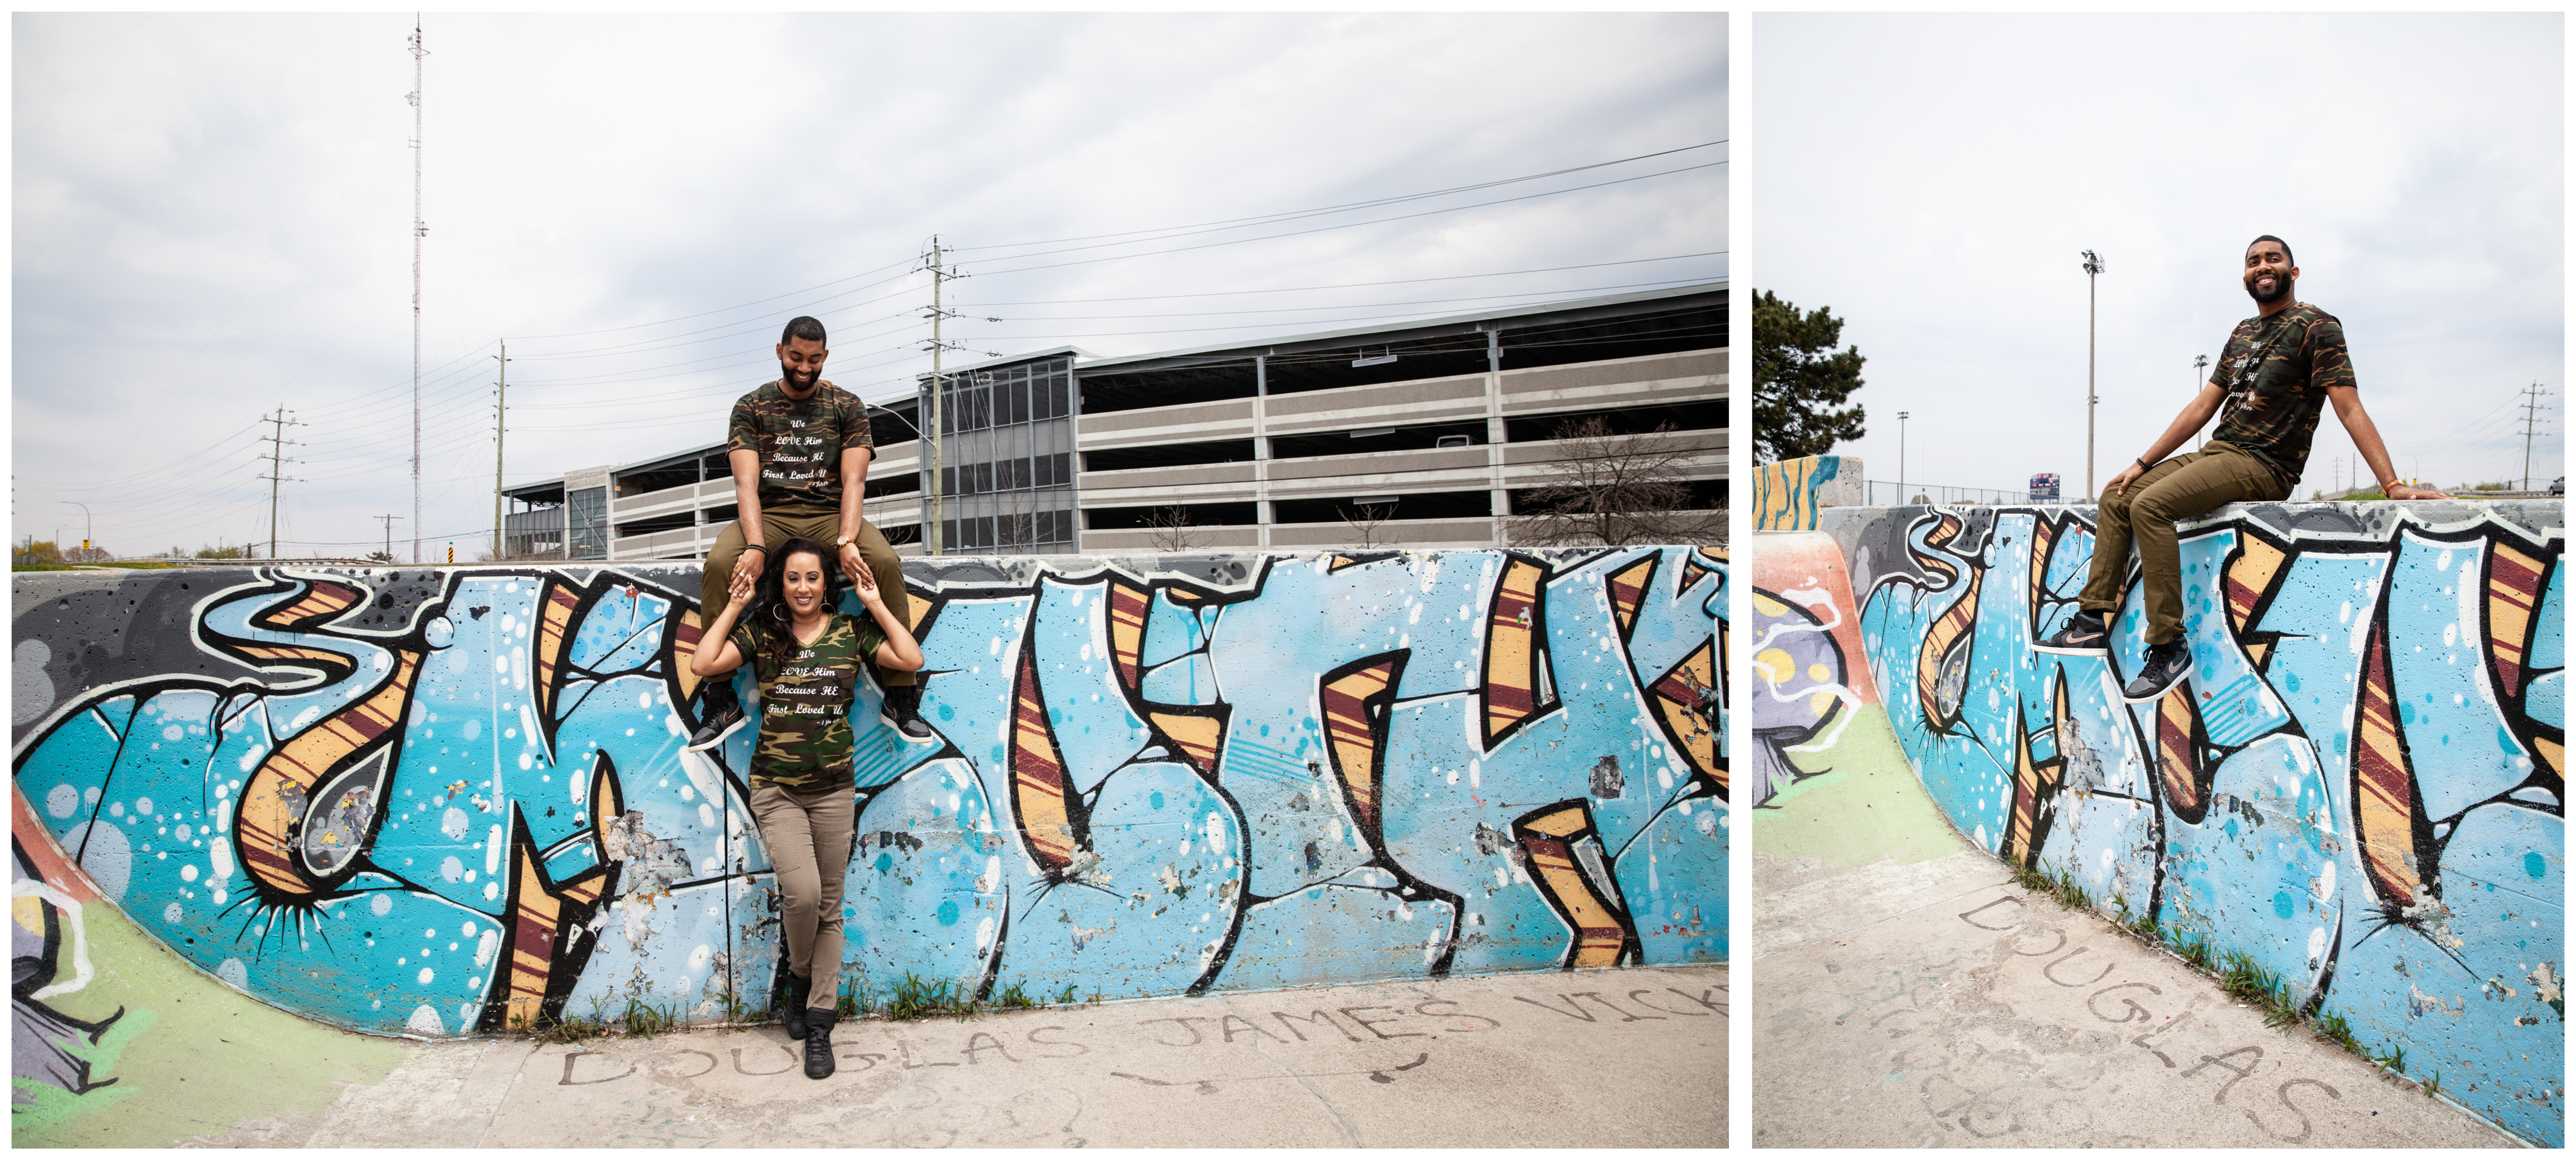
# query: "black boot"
[797,988]
[818,1041]
[903,707]
[721,715]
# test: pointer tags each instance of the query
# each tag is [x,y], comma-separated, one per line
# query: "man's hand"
[2402,491]
[746,567]
[2120,483]
[865,582]
[854,565]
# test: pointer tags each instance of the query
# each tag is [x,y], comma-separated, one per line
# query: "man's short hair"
[2285,249]
[811,329]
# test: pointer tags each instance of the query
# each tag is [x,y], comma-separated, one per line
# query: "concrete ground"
[1627,1058]
[1935,1004]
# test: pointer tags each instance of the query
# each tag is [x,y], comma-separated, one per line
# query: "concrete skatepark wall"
[439,801]
[1792,494]
[2360,788]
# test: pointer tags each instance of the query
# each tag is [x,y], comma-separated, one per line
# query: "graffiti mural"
[1790,495]
[446,801]
[56,1058]
[2360,787]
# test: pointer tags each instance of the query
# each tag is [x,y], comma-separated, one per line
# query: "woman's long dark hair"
[769,600]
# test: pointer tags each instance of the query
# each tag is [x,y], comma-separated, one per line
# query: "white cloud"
[210,219]
[1932,179]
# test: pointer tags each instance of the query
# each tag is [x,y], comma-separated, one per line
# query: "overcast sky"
[1932,179]
[211,213]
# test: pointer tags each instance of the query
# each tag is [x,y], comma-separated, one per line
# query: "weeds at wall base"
[2236,973]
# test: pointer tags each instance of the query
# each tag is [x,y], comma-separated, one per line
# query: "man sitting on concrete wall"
[2277,371]
[799,448]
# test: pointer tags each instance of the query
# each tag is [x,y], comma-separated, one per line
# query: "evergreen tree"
[1800,383]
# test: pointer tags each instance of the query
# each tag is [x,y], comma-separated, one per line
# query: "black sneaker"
[903,707]
[2167,664]
[2083,636]
[721,716]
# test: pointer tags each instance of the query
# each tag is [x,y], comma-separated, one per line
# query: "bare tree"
[1612,489]
[1364,522]
[1172,530]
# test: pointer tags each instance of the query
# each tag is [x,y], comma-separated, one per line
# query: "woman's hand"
[739,590]
[865,582]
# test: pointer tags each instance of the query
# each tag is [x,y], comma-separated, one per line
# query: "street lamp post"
[1901,417]
[2200,375]
[2092,302]
[89,527]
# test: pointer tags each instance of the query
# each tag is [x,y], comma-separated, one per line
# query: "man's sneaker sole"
[2075,650]
[718,739]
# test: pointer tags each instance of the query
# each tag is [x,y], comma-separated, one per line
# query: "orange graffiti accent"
[2383,800]
[1199,738]
[1353,713]
[1511,652]
[2042,538]
[2513,590]
[686,632]
[2035,784]
[554,618]
[1947,647]
[1037,774]
[2179,766]
[305,761]
[535,925]
[1680,696]
[1127,605]
[1693,567]
[1628,590]
[322,603]
[2250,574]
[1547,838]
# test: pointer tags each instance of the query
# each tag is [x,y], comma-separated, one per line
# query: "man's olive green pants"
[777,527]
[2176,489]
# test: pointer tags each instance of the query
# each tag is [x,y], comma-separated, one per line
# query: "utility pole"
[419,230]
[500,432]
[2530,423]
[2092,277]
[930,525]
[389,536]
[277,443]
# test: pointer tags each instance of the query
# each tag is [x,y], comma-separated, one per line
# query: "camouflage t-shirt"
[805,734]
[799,442]
[2276,372]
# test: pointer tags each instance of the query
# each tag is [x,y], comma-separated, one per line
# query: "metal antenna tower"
[419,230]
[500,434]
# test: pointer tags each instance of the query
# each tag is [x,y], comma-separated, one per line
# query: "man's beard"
[2281,285]
[788,376]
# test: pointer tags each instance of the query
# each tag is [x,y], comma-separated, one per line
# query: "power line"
[1267,218]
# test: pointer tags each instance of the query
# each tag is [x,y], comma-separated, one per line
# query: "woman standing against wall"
[806,661]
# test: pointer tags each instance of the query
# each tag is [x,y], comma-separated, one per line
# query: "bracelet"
[763,549]
[2146,466]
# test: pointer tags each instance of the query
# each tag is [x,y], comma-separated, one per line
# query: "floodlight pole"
[1901,417]
[2092,307]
